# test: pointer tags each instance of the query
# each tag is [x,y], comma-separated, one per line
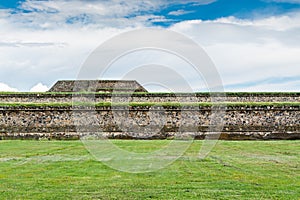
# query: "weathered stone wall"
[149,97]
[96,86]
[240,122]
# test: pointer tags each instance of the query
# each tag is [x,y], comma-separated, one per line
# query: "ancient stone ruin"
[125,110]
[97,86]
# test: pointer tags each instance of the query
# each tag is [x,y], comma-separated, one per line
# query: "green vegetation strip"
[157,93]
[232,170]
[147,104]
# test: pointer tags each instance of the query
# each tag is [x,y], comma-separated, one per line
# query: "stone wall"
[240,122]
[149,97]
[97,86]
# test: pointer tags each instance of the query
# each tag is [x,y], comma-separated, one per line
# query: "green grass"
[49,93]
[144,104]
[233,170]
[158,93]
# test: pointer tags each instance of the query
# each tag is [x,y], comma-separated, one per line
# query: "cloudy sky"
[254,44]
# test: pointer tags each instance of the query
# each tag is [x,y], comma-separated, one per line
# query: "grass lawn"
[233,170]
[136,104]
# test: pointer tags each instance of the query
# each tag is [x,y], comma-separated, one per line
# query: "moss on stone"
[148,104]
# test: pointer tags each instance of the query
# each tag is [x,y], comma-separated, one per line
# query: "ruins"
[126,110]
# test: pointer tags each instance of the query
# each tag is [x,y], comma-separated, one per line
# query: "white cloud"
[283,1]
[39,88]
[29,44]
[278,23]
[290,86]
[6,88]
[248,51]
[51,14]
[179,12]
[45,55]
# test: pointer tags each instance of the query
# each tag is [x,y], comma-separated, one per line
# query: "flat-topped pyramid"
[97,86]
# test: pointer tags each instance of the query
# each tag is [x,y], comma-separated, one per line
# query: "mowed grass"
[232,170]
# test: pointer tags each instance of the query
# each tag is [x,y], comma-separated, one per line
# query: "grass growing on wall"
[157,93]
[233,170]
[147,104]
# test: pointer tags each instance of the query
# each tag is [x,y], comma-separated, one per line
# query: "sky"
[254,44]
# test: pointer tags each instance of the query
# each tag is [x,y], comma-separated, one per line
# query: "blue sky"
[213,10]
[253,43]
[9,4]
[243,9]
[179,11]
